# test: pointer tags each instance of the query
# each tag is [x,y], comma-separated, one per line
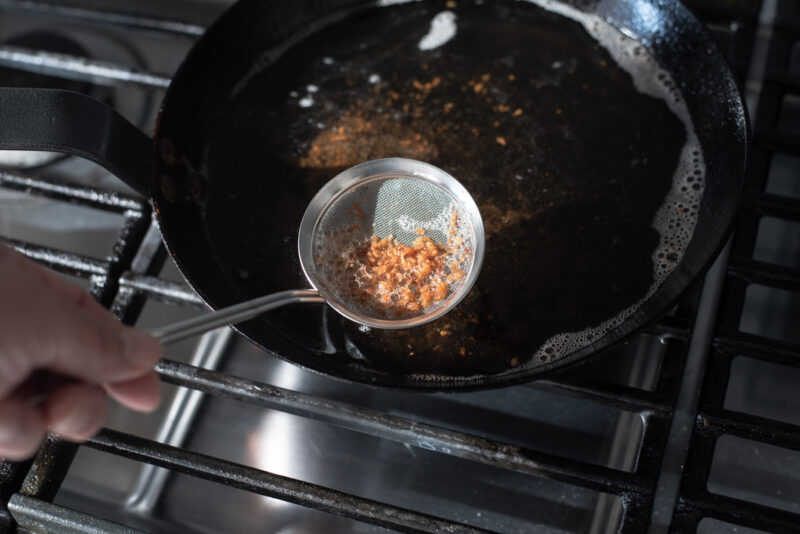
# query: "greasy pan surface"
[569,164]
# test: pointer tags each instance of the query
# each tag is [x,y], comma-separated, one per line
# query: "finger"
[22,429]
[76,412]
[41,383]
[98,352]
[55,283]
[143,349]
[142,394]
[62,331]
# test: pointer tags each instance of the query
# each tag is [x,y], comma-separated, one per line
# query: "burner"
[10,77]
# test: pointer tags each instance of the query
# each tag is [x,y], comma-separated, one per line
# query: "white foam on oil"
[676,218]
[443,28]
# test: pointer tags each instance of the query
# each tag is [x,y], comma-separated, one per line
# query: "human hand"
[60,354]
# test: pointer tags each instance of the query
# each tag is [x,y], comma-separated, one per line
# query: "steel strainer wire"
[394,197]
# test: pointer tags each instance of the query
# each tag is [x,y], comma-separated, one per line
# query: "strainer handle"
[232,314]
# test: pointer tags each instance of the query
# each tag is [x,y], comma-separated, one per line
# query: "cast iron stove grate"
[725,421]
[124,280]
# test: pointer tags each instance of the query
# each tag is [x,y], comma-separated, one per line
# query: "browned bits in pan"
[426,87]
[354,139]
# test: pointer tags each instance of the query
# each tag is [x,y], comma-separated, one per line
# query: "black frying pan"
[277,98]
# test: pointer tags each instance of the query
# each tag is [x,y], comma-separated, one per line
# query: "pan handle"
[64,121]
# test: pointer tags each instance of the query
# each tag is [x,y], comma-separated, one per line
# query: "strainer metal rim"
[376,170]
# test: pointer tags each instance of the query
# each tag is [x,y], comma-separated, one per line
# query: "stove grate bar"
[40,517]
[717,421]
[119,19]
[696,502]
[610,394]
[670,327]
[762,273]
[79,68]
[271,485]
[769,205]
[62,261]
[12,476]
[788,81]
[161,290]
[778,141]
[104,274]
[386,426]
[759,348]
[691,510]
[86,196]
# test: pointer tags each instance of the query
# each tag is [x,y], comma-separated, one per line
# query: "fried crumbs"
[386,275]
[400,277]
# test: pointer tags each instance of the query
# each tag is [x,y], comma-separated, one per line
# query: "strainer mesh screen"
[402,207]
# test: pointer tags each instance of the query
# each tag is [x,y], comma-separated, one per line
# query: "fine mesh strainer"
[394,197]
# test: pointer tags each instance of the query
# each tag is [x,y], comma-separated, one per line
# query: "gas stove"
[690,426]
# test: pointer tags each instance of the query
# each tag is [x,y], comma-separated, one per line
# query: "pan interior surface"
[587,173]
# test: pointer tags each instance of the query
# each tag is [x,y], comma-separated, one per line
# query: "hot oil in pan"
[585,183]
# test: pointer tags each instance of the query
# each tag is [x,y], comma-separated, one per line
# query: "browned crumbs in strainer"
[400,278]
